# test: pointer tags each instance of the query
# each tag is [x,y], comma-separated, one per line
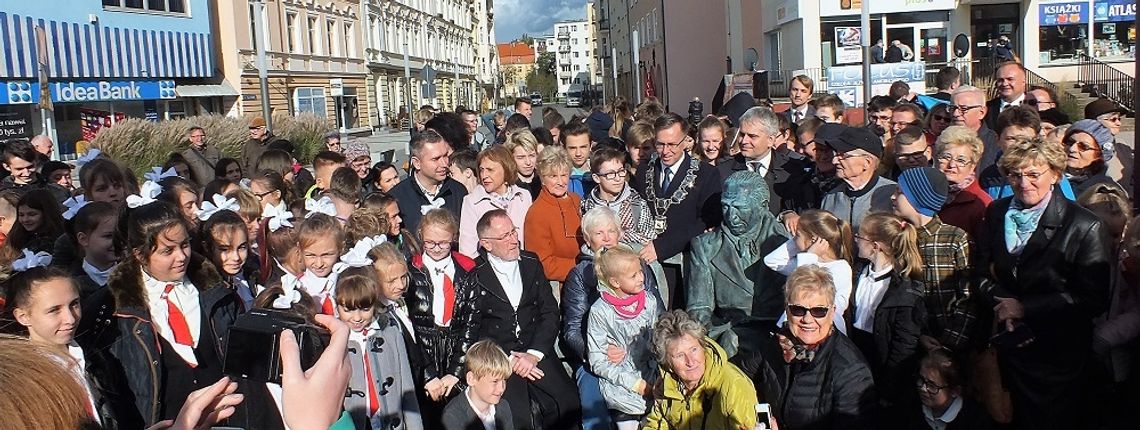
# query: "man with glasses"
[259,139]
[683,194]
[787,177]
[911,149]
[429,187]
[609,170]
[1044,99]
[968,108]
[857,154]
[1011,86]
[880,110]
[1111,115]
[471,121]
[201,156]
[518,312]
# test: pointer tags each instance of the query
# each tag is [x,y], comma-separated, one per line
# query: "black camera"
[253,352]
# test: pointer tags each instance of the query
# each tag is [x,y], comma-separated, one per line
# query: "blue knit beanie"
[926,188]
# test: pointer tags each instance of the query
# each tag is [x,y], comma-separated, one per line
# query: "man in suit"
[1011,86]
[799,92]
[968,108]
[786,173]
[683,194]
[519,314]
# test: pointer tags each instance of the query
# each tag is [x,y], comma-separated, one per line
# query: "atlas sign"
[109,91]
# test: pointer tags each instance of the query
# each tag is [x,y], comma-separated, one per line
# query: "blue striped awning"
[79,50]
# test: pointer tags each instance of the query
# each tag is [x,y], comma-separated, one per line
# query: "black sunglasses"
[816,312]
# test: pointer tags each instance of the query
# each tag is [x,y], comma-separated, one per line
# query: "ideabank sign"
[25,92]
[110,91]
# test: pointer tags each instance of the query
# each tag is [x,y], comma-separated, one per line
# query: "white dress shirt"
[799,114]
[319,288]
[765,164]
[1016,102]
[940,422]
[674,170]
[99,276]
[78,366]
[436,270]
[185,298]
[509,277]
[871,288]
[488,418]
[402,315]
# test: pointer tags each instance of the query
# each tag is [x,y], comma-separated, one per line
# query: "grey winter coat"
[635,335]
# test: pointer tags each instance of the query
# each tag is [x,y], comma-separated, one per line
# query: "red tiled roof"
[515,53]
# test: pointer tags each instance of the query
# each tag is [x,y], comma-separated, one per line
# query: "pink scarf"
[965,183]
[627,308]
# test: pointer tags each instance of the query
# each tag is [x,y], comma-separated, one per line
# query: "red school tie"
[176,320]
[374,395]
[448,299]
[327,306]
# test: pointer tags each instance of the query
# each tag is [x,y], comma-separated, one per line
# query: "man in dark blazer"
[1010,84]
[786,173]
[518,313]
[800,91]
[429,186]
[683,196]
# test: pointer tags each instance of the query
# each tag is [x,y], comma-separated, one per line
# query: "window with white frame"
[253,28]
[331,45]
[314,36]
[170,6]
[292,32]
[349,41]
[309,99]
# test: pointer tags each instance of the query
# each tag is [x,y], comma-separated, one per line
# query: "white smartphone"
[763,416]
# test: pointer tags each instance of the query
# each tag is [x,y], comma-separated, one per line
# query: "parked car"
[536,99]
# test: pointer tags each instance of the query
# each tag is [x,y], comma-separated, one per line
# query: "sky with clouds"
[533,17]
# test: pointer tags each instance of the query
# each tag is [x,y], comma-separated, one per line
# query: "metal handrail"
[1035,80]
[1103,80]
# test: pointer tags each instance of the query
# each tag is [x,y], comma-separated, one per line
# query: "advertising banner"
[1063,13]
[15,123]
[847,48]
[91,121]
[847,81]
[1114,10]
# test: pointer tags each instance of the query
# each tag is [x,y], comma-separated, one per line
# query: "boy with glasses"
[609,170]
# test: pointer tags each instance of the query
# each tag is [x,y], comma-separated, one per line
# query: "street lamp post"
[408,83]
[262,71]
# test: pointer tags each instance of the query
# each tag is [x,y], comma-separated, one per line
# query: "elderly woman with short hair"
[552,222]
[698,386]
[1090,147]
[600,230]
[812,375]
[1048,272]
[956,154]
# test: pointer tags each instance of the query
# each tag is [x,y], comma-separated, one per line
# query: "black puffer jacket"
[443,347]
[579,293]
[892,349]
[832,391]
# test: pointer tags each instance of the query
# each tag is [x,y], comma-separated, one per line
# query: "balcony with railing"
[564,49]
[563,33]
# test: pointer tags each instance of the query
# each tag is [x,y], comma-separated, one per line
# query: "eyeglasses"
[513,232]
[960,161]
[943,118]
[928,386]
[614,175]
[1081,146]
[671,146]
[963,109]
[816,312]
[261,196]
[1113,118]
[1015,177]
[847,155]
[197,136]
[437,245]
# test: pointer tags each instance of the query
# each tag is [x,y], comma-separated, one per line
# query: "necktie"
[392,316]
[666,177]
[797,116]
[327,306]
[758,167]
[448,299]
[176,320]
[374,398]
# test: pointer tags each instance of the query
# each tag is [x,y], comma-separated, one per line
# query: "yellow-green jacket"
[725,399]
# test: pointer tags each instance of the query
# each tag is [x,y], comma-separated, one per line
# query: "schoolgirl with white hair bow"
[224,240]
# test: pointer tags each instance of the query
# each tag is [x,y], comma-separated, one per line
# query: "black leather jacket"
[444,347]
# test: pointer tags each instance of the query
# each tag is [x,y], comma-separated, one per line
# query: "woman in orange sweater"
[551,229]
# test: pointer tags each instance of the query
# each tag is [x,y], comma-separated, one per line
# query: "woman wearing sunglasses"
[938,119]
[1089,147]
[812,375]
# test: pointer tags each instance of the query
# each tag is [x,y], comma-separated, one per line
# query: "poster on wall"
[847,49]
[1064,13]
[91,121]
[15,123]
[847,81]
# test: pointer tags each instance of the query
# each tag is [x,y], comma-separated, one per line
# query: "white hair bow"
[86,158]
[73,205]
[30,260]
[147,193]
[289,294]
[278,217]
[358,255]
[324,205]
[219,203]
[434,204]
[157,174]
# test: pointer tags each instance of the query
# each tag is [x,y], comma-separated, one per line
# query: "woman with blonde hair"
[822,240]
[956,154]
[552,222]
[524,148]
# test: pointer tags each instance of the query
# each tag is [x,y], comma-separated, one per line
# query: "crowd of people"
[958,263]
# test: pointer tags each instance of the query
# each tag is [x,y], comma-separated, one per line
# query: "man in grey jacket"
[201,156]
[863,191]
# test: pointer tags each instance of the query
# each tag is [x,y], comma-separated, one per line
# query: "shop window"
[310,100]
[1063,32]
[172,6]
[1114,30]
